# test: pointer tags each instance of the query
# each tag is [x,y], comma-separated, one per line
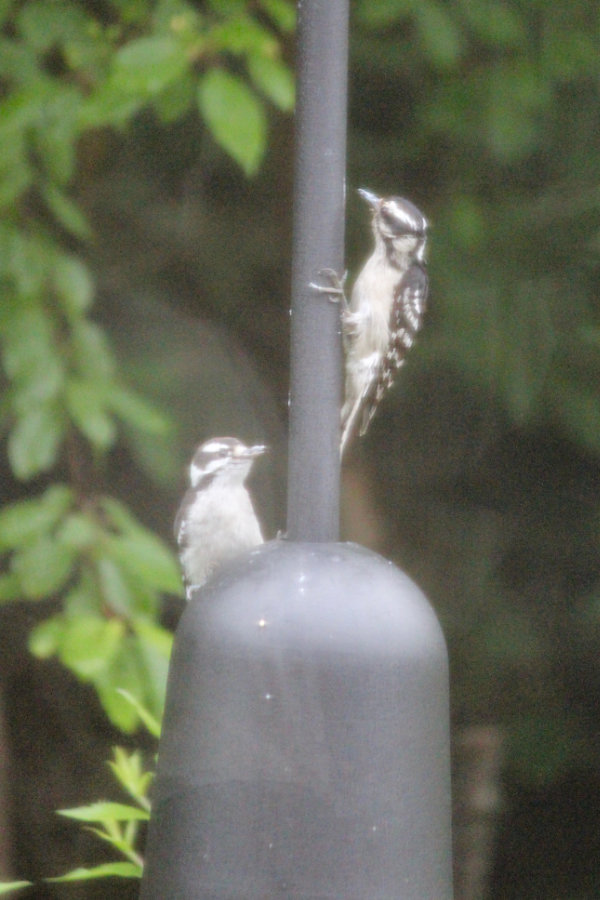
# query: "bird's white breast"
[371,301]
[220,524]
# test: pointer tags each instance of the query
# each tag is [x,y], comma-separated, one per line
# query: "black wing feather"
[406,319]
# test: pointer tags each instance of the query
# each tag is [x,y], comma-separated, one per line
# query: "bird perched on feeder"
[216,519]
[386,308]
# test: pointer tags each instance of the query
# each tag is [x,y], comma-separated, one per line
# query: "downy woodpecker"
[386,308]
[216,520]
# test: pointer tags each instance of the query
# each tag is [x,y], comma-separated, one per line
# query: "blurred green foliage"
[117,824]
[67,71]
[488,112]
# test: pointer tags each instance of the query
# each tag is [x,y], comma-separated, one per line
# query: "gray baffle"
[305,746]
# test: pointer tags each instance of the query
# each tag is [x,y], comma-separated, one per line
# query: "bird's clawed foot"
[335,289]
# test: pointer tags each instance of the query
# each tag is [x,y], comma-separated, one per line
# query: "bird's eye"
[392,221]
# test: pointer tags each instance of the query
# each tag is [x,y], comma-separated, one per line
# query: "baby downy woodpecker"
[386,308]
[216,520]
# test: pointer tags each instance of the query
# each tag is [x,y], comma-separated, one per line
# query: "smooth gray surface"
[305,751]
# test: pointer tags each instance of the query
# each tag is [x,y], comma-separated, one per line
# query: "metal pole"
[316,363]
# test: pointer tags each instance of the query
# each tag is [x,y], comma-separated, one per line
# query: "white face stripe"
[214,447]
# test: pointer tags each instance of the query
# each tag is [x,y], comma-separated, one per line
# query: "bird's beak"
[257,450]
[372,199]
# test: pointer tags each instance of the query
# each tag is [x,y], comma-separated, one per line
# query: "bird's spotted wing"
[406,318]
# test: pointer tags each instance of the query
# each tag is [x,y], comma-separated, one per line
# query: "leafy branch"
[65,73]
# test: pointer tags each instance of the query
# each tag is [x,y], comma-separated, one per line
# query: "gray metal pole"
[316,364]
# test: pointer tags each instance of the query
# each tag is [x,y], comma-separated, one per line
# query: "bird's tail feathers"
[349,424]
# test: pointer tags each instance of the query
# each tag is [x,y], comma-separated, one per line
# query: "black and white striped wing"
[406,319]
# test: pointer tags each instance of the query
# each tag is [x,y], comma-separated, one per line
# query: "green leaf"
[228,8]
[43,567]
[147,65]
[114,587]
[154,646]
[151,722]
[88,644]
[118,869]
[129,771]
[73,283]
[44,24]
[84,598]
[155,636]
[144,556]
[55,135]
[517,98]
[21,108]
[31,358]
[18,61]
[235,116]
[241,35]
[106,812]
[67,213]
[108,105]
[29,259]
[136,411]
[79,531]
[124,670]
[91,351]
[274,79]
[281,12]
[113,833]
[16,173]
[567,54]
[441,37]
[384,12]
[495,22]
[119,515]
[44,638]
[176,99]
[87,49]
[38,387]
[34,441]
[7,886]
[10,588]
[28,334]
[85,403]
[28,519]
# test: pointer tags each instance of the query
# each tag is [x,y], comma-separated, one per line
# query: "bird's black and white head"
[400,228]
[222,460]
